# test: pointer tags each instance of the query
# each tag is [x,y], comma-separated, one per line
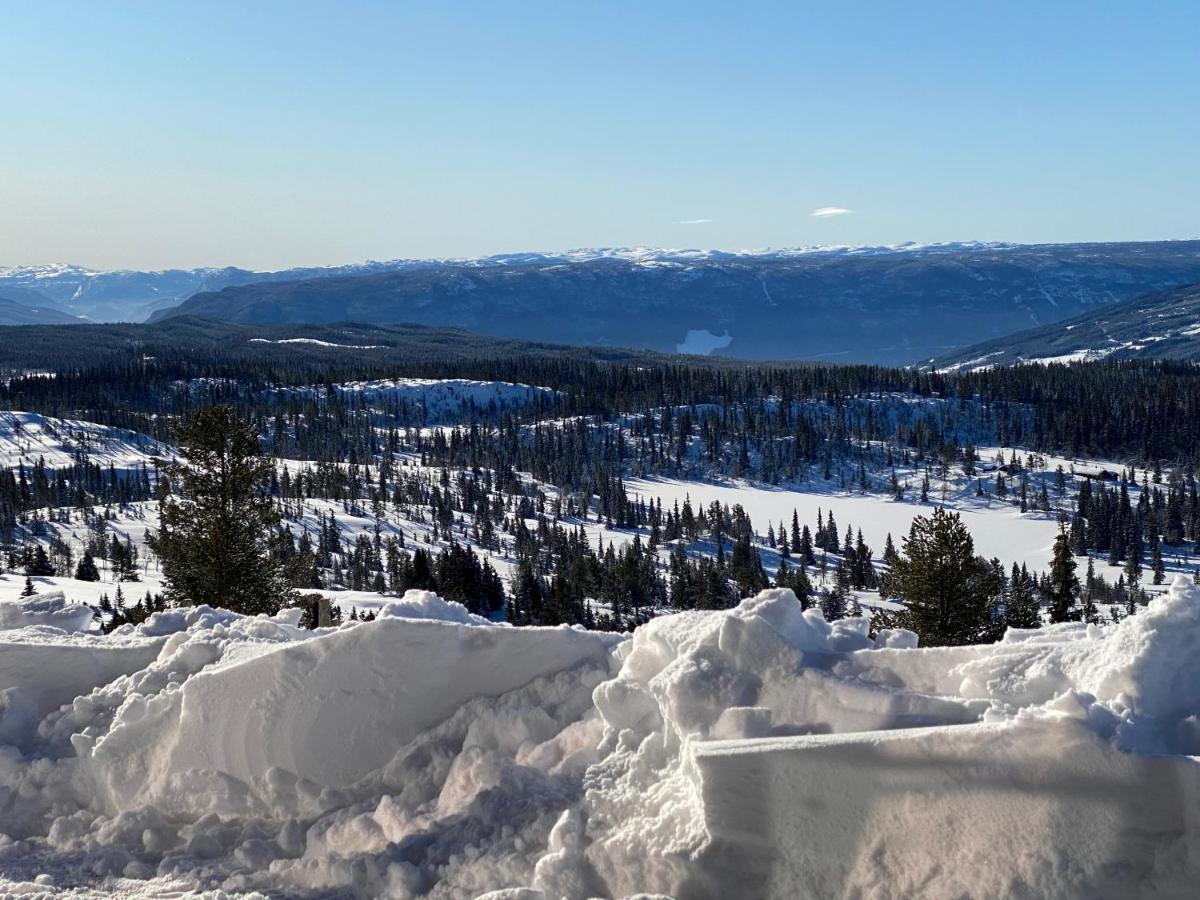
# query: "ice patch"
[702,342]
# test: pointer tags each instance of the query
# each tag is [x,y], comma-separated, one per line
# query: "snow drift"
[758,752]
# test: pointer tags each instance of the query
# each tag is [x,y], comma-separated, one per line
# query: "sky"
[269,135]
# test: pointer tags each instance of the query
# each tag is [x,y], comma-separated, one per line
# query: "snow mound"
[47,610]
[428,605]
[759,751]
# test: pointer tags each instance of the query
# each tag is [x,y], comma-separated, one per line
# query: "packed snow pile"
[757,752]
[50,609]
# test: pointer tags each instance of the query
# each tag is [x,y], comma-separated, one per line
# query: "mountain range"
[127,295]
[890,305]
[896,306]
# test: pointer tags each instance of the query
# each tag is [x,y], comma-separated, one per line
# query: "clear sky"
[264,134]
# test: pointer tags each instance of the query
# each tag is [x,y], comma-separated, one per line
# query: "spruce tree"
[38,562]
[949,593]
[1021,610]
[215,530]
[834,603]
[1064,584]
[1156,560]
[86,570]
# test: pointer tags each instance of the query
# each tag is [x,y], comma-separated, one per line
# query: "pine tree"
[29,590]
[86,570]
[214,534]
[1133,556]
[804,548]
[949,593]
[1156,560]
[834,601]
[38,562]
[1064,584]
[889,549]
[526,607]
[1022,609]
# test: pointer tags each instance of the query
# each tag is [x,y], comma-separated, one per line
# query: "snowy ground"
[754,752]
[27,437]
[999,528]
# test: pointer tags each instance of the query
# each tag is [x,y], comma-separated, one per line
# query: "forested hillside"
[602,488]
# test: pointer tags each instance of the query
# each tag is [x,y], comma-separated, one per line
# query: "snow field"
[999,531]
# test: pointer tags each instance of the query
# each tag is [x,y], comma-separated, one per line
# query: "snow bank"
[42,669]
[758,752]
[326,711]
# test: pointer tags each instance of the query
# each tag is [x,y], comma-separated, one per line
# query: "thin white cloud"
[695,221]
[826,211]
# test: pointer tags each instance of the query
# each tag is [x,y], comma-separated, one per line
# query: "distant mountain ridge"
[127,295]
[880,305]
[1161,325]
[897,304]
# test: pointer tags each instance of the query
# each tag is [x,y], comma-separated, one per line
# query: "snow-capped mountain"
[896,305]
[1162,325]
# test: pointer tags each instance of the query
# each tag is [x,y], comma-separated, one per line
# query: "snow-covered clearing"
[753,752]
[315,342]
[999,530]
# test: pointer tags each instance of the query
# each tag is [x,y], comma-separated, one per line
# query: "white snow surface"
[27,437]
[446,394]
[755,752]
[443,399]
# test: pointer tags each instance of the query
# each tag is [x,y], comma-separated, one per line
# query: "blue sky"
[276,134]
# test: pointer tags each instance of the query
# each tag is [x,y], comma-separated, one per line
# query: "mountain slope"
[13,311]
[122,296]
[1161,325]
[893,306]
[132,296]
[354,348]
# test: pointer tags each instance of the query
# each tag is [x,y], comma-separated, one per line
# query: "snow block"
[1038,806]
